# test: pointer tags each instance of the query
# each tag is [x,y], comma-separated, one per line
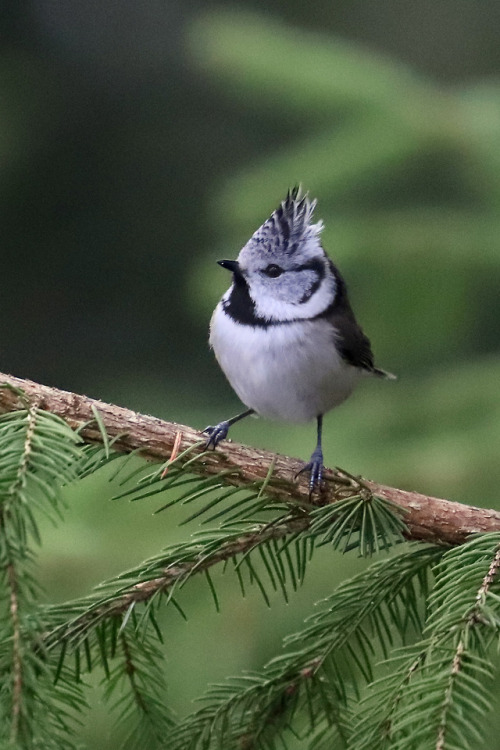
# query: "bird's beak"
[230,265]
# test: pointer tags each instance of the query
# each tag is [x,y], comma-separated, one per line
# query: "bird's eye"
[273,271]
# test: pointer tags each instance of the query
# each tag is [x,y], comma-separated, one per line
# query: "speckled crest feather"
[288,226]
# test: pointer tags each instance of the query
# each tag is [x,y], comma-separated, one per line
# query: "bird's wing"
[350,340]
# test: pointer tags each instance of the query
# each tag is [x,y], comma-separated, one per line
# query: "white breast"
[284,372]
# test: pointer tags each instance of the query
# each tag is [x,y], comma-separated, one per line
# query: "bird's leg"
[315,465]
[219,431]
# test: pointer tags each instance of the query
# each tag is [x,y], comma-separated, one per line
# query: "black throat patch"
[241,307]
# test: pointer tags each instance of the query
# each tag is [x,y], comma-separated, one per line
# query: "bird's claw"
[216,434]
[315,468]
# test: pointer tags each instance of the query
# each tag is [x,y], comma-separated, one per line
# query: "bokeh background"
[140,142]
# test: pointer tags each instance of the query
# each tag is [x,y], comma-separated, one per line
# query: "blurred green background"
[140,142]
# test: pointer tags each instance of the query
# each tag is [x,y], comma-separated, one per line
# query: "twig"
[427,518]
[130,671]
[175,453]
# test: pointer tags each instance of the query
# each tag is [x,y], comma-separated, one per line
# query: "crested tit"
[284,333]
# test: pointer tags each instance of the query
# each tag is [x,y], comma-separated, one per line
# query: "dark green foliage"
[38,452]
[322,665]
[365,522]
[436,691]
[46,650]
[136,675]
[346,679]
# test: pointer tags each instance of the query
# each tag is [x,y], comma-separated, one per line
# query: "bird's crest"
[288,226]
[292,219]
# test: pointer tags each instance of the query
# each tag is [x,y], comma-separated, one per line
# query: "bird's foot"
[315,468]
[216,434]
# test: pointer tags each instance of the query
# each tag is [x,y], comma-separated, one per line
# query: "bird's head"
[283,266]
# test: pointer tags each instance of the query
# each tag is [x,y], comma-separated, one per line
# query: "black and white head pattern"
[283,273]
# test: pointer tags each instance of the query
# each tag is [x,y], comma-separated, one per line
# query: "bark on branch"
[427,518]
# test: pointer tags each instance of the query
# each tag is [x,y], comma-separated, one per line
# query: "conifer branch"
[472,618]
[448,696]
[130,670]
[488,580]
[17,669]
[438,689]
[12,561]
[38,453]
[320,662]
[106,606]
[427,518]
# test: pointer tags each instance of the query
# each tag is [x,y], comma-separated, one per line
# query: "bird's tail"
[384,374]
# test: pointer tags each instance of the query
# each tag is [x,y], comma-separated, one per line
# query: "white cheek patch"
[310,283]
[275,308]
[290,287]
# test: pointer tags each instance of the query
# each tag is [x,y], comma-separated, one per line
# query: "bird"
[284,333]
